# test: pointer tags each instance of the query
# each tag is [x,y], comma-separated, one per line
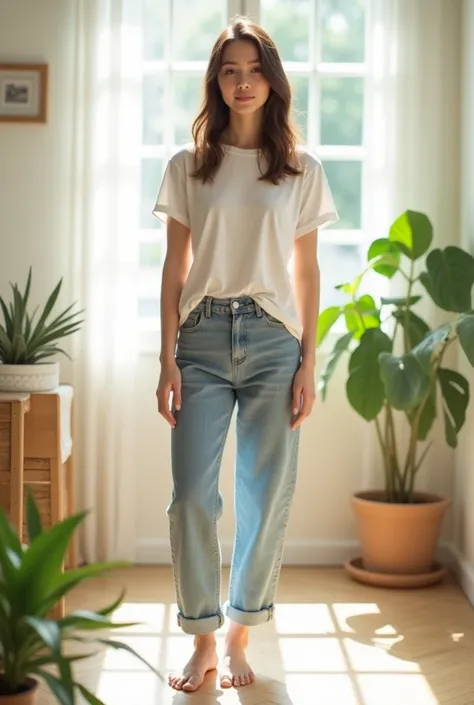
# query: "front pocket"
[271,320]
[193,322]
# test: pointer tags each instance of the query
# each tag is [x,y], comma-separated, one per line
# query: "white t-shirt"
[242,229]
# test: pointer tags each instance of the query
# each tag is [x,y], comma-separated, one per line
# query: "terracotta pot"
[400,539]
[27,697]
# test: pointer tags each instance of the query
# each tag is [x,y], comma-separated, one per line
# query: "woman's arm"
[307,291]
[175,271]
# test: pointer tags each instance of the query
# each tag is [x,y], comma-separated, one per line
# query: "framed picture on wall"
[23,92]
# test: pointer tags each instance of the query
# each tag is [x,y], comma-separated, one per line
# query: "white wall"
[35,159]
[464,475]
[338,455]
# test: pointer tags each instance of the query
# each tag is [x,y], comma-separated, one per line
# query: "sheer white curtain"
[413,123]
[105,224]
[414,109]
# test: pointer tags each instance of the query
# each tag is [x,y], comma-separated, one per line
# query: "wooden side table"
[13,409]
[36,451]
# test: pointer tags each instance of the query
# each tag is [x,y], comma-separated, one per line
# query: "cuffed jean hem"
[249,619]
[206,625]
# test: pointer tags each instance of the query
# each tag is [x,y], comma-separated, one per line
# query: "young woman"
[237,329]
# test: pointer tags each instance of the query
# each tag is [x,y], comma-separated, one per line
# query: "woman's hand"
[304,394]
[170,383]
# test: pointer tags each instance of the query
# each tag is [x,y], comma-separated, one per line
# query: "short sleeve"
[172,197]
[317,207]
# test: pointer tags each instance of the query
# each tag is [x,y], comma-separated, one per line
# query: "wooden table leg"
[16,468]
[72,552]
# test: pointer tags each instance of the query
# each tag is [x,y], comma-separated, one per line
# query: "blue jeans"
[231,351]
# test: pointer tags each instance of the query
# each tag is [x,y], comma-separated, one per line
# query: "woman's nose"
[243,83]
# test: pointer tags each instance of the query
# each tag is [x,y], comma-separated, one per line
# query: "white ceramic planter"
[42,377]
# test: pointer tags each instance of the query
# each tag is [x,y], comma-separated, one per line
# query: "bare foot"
[203,660]
[235,669]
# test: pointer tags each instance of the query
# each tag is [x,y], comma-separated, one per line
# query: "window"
[322,45]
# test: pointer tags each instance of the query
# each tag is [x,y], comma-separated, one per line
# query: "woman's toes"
[226,681]
[193,683]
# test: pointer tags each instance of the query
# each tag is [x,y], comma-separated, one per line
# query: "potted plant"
[31,583]
[26,343]
[396,367]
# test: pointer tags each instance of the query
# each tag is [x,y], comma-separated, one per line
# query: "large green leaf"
[361,315]
[36,663]
[413,232]
[65,582]
[48,308]
[404,380]
[33,518]
[384,257]
[10,551]
[455,391]
[86,620]
[5,345]
[18,349]
[109,609]
[351,287]
[364,386]
[19,311]
[425,349]
[415,326]
[89,697]
[46,352]
[7,318]
[57,688]
[428,415]
[43,561]
[339,348]
[326,320]
[399,300]
[120,646]
[465,329]
[449,278]
[48,631]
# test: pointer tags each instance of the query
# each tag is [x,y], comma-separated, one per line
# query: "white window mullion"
[314,83]
[251,8]
[234,7]
[168,89]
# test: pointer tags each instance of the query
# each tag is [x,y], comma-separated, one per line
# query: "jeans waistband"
[234,305]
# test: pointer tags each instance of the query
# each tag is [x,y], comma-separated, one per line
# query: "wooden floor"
[332,642]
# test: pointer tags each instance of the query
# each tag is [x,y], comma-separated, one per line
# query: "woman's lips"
[244,98]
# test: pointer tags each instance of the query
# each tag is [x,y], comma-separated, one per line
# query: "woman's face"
[243,86]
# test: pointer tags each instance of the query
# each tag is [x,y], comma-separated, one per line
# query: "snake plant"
[25,340]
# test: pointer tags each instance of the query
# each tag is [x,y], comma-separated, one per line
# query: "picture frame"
[23,92]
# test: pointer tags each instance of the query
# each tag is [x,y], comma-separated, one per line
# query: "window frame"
[315,70]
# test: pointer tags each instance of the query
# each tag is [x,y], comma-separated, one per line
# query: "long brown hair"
[279,138]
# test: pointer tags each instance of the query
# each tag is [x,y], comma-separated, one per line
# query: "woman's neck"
[243,131]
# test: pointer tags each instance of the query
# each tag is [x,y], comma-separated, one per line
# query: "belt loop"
[258,310]
[208,306]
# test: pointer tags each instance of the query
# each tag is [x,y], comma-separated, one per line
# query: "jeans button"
[235,305]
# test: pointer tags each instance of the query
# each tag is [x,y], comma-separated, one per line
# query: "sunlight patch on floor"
[311,654]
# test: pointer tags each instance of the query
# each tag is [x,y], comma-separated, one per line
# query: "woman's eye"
[229,72]
[257,69]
